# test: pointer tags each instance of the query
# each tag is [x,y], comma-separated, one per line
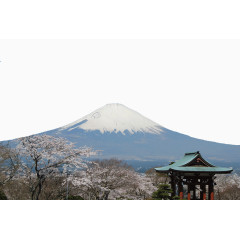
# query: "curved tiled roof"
[186,164]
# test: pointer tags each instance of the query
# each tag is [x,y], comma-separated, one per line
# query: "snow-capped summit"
[116,118]
[122,133]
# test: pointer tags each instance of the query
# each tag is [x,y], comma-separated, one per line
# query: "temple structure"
[194,176]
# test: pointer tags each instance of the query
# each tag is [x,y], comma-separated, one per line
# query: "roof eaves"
[216,170]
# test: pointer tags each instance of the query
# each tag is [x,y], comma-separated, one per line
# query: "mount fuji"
[119,132]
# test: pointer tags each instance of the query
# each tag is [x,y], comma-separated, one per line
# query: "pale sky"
[189,86]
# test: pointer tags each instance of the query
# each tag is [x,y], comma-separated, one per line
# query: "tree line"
[47,167]
[43,167]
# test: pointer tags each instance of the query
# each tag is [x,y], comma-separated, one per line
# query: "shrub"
[163,193]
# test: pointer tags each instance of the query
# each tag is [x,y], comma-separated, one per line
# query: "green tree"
[163,193]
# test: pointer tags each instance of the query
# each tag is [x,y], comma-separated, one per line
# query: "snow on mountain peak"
[116,118]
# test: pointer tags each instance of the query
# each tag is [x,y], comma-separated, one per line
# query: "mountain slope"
[125,134]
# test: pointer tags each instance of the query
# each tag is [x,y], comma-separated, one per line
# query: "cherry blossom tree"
[45,156]
[227,187]
[112,179]
[9,163]
[157,177]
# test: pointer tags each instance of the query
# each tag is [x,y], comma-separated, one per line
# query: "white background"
[211,70]
[189,86]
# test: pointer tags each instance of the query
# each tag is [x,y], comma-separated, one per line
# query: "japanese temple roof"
[193,162]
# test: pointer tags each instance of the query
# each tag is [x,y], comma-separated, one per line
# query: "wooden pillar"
[173,186]
[203,189]
[201,192]
[194,191]
[211,190]
[189,191]
[180,189]
[204,192]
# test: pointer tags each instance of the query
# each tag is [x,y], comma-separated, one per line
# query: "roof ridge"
[191,153]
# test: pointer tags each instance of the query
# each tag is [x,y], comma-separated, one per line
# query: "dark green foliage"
[75,198]
[163,193]
[2,195]
[176,198]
